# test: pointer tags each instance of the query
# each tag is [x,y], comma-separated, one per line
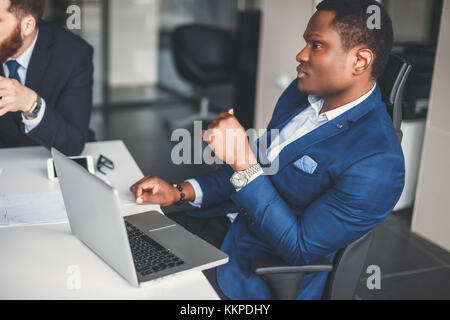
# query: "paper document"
[48,207]
[35,208]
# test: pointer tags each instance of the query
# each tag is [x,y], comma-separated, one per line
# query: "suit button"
[242,210]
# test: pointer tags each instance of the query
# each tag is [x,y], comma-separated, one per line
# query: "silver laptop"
[141,247]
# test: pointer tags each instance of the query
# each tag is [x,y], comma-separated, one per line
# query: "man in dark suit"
[46,81]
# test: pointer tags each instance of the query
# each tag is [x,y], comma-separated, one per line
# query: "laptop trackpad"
[150,221]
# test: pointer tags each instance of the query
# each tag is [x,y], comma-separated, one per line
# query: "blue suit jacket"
[61,72]
[302,217]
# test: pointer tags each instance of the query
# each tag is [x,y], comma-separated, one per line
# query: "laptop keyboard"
[148,255]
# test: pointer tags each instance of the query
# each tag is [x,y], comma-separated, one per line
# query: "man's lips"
[301,73]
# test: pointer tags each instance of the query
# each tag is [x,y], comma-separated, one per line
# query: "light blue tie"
[13,67]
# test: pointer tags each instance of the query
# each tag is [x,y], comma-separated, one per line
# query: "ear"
[28,25]
[363,60]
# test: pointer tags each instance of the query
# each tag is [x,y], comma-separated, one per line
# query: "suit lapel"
[266,139]
[291,102]
[285,121]
[40,57]
[328,130]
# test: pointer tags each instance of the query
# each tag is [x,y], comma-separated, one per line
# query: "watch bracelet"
[250,172]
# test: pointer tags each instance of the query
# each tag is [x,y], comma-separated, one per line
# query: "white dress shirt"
[24,61]
[302,124]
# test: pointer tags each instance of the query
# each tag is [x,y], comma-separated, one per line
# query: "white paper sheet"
[29,209]
[48,208]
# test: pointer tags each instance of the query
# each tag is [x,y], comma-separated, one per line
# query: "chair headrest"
[392,79]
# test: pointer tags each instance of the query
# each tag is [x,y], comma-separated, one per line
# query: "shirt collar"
[24,58]
[317,102]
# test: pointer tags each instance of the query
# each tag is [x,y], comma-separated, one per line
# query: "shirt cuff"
[198,193]
[33,123]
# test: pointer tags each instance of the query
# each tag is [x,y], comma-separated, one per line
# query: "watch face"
[239,179]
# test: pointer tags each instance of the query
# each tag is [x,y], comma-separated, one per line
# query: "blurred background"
[142,92]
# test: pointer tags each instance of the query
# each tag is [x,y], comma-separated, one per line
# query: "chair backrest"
[203,54]
[348,264]
[392,84]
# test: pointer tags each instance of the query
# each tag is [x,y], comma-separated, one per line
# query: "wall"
[91,31]
[283,24]
[431,217]
[133,24]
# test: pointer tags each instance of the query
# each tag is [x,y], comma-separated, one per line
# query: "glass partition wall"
[131,38]
[90,28]
[416,28]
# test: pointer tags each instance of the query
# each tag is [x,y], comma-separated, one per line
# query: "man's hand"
[229,141]
[15,96]
[154,190]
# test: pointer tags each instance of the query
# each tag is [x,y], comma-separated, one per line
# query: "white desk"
[35,260]
[25,171]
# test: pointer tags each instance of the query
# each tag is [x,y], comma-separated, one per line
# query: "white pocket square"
[306,164]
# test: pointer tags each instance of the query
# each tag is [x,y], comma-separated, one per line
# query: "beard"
[11,45]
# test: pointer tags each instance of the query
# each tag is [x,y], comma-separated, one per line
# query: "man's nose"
[302,56]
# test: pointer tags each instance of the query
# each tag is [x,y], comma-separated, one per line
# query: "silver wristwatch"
[241,178]
[35,110]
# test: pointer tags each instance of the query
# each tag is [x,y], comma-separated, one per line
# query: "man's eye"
[316,45]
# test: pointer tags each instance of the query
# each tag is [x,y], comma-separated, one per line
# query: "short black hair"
[351,21]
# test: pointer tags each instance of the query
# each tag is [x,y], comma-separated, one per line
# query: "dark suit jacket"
[61,72]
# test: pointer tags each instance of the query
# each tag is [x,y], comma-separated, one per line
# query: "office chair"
[345,271]
[204,56]
[392,84]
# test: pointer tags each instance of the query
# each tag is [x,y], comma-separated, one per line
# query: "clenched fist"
[229,141]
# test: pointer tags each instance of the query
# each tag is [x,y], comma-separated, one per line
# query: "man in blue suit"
[46,77]
[340,164]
